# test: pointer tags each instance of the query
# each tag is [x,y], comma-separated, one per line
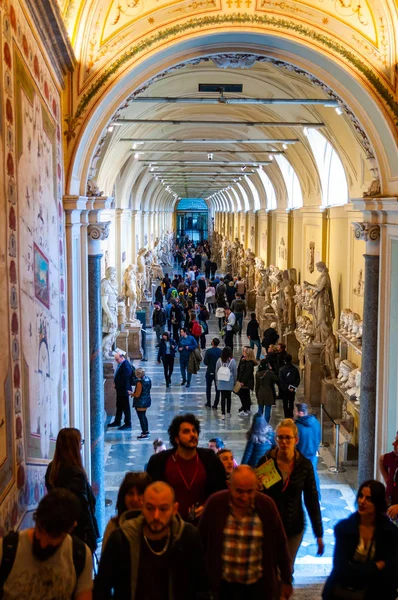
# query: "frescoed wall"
[33,372]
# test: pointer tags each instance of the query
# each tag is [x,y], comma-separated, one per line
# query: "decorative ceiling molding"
[215,21]
[50,25]
[243,58]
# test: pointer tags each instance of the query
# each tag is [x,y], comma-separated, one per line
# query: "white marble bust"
[346,366]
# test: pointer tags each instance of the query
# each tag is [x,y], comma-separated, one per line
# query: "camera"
[210,155]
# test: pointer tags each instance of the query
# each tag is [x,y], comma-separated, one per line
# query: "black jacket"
[122,379]
[162,348]
[75,480]
[120,561]
[246,373]
[289,502]
[211,357]
[271,336]
[252,330]
[288,375]
[158,317]
[215,473]
[378,583]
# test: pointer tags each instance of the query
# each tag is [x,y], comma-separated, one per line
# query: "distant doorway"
[192,220]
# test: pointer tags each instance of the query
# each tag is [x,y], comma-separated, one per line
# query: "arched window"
[269,189]
[256,197]
[192,204]
[294,195]
[330,168]
[245,197]
[236,196]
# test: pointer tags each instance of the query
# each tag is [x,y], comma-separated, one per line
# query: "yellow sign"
[267,474]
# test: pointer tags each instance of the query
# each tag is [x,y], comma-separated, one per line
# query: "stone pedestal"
[313,374]
[266,320]
[292,346]
[251,300]
[134,341]
[109,389]
[332,399]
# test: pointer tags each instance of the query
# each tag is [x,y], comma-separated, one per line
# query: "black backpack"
[10,545]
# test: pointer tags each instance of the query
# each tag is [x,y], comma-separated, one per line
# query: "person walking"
[238,307]
[142,401]
[253,335]
[230,292]
[246,379]
[240,286]
[158,321]
[66,471]
[166,354]
[194,473]
[244,542]
[265,390]
[122,384]
[176,318]
[230,321]
[295,480]
[260,439]
[187,345]
[46,561]
[226,374]
[207,268]
[210,360]
[159,295]
[366,550]
[309,434]
[289,380]
[270,336]
[210,295]
[154,556]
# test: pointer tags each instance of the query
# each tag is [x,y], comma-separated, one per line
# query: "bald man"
[241,523]
[156,556]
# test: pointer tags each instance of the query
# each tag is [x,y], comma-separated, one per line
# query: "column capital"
[367,231]
[370,233]
[98,231]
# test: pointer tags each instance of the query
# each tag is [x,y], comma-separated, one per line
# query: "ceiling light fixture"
[110,128]
[338,110]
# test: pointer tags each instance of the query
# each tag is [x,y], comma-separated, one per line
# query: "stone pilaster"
[367,423]
[96,233]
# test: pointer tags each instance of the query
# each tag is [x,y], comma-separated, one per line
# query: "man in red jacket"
[245,543]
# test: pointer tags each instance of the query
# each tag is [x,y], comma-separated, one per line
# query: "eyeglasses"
[287,438]
[82,442]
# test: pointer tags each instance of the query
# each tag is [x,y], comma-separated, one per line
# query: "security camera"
[210,155]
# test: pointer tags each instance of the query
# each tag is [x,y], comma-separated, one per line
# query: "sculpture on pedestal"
[110,299]
[157,271]
[322,305]
[130,292]
[141,276]
[328,357]
[250,262]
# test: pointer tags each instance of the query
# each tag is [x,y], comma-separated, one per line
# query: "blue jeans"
[239,320]
[266,411]
[209,380]
[258,344]
[184,369]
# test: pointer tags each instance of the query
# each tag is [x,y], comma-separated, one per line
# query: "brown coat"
[264,387]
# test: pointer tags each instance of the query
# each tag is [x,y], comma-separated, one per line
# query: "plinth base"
[251,300]
[109,388]
[313,374]
[292,346]
[332,399]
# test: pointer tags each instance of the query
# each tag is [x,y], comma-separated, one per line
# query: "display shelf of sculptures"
[350,332]
[348,384]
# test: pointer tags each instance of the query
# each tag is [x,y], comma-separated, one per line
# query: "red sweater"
[275,552]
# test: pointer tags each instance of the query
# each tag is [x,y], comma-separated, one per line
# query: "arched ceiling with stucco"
[134,171]
[301,49]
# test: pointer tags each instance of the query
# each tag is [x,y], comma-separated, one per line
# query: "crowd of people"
[198,522]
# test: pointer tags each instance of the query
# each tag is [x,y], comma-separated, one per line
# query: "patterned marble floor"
[124,452]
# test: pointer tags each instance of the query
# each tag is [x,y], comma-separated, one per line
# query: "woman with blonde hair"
[246,379]
[293,478]
[66,471]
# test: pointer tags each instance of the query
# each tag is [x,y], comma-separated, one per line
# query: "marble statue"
[110,300]
[346,366]
[322,305]
[164,256]
[358,337]
[350,383]
[289,309]
[344,319]
[157,271]
[328,356]
[141,276]
[130,292]
[350,323]
[250,263]
[358,379]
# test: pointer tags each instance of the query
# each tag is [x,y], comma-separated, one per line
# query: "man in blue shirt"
[187,345]
[211,357]
[309,437]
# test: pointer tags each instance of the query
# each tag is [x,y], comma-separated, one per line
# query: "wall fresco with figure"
[33,372]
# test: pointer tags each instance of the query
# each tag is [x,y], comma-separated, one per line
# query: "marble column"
[367,417]
[96,233]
